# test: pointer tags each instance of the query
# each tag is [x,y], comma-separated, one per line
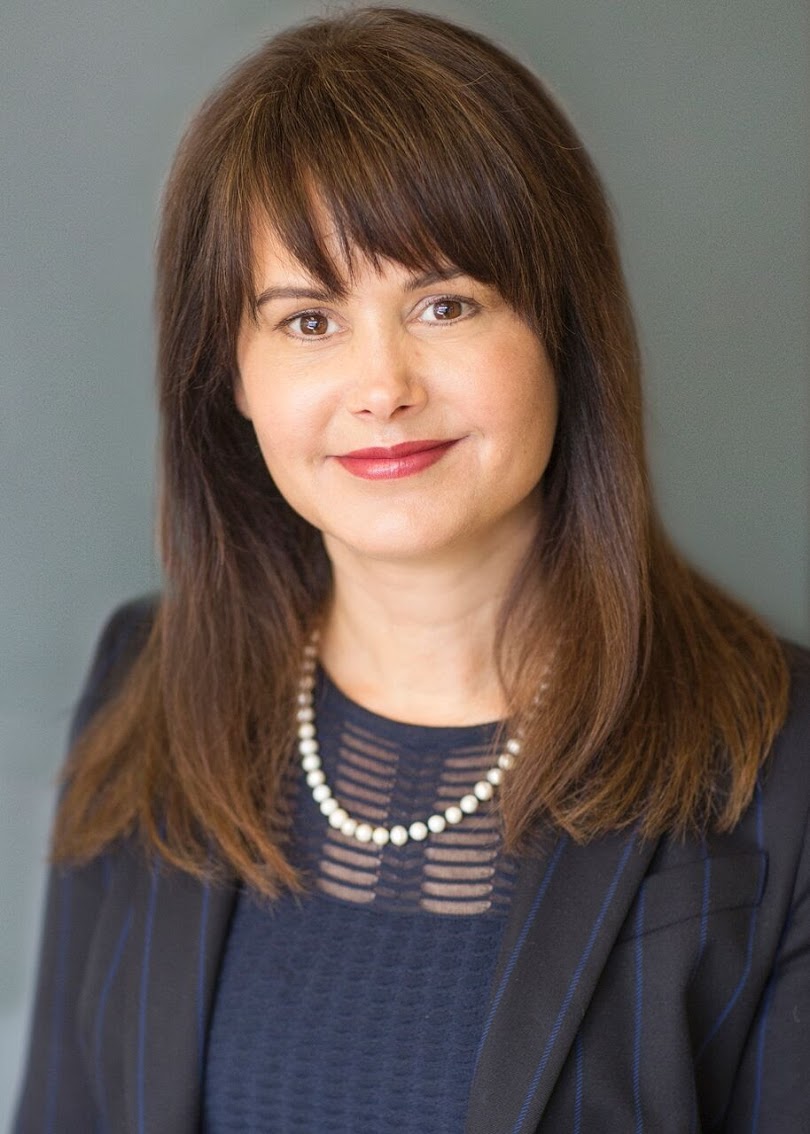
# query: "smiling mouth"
[405,459]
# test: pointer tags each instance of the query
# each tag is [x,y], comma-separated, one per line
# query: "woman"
[436,792]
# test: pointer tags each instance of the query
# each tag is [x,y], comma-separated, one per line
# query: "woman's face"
[411,420]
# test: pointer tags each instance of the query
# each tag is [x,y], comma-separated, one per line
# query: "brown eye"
[448,308]
[313,324]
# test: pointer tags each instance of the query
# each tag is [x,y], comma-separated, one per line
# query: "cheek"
[539,396]
[521,405]
[290,430]
[240,398]
[287,467]
[266,416]
[527,427]
[248,369]
[263,400]
[276,446]
[546,408]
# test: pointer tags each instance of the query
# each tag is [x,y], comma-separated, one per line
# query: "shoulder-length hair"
[426,145]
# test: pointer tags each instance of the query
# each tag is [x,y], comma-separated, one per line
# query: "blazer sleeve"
[56,1095]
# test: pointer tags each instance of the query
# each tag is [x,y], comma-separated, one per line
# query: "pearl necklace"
[339,817]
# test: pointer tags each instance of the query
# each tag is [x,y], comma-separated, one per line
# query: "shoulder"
[770,839]
[787,769]
[798,658]
[123,636]
[779,816]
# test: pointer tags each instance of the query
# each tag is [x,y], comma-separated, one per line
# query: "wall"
[693,111]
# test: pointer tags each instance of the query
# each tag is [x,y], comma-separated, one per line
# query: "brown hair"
[428,146]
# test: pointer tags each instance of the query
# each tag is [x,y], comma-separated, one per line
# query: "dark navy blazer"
[642,987]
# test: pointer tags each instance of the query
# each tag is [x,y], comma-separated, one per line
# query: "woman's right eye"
[309,325]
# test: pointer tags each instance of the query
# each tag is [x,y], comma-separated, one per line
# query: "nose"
[385,379]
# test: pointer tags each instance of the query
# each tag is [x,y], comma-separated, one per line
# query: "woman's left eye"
[448,309]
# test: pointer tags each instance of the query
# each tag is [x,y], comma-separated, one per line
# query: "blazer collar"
[568,907]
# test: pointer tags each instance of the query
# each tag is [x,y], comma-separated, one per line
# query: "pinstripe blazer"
[641,987]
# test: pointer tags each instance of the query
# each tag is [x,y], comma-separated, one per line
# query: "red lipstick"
[399,460]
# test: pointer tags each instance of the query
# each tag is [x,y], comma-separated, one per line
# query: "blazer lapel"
[179,929]
[568,907]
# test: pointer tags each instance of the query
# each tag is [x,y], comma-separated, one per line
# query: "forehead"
[272,255]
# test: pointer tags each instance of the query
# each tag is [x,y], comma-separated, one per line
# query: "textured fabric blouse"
[359,1007]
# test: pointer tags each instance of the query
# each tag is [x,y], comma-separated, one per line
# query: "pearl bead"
[365,832]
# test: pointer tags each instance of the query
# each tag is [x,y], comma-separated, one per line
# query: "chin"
[392,543]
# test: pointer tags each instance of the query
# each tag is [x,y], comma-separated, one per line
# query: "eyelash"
[286,324]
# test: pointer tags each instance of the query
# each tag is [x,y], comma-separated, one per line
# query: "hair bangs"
[395,171]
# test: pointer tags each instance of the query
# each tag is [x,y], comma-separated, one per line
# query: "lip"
[404,449]
[405,459]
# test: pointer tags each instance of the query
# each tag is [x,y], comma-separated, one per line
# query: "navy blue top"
[359,1007]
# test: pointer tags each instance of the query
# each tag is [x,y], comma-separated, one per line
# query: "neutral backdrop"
[695,114]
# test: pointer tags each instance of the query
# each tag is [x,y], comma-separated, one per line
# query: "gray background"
[695,114]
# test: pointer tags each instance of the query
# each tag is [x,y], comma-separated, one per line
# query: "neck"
[416,642]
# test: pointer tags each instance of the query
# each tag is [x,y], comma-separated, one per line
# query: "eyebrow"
[326,295]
